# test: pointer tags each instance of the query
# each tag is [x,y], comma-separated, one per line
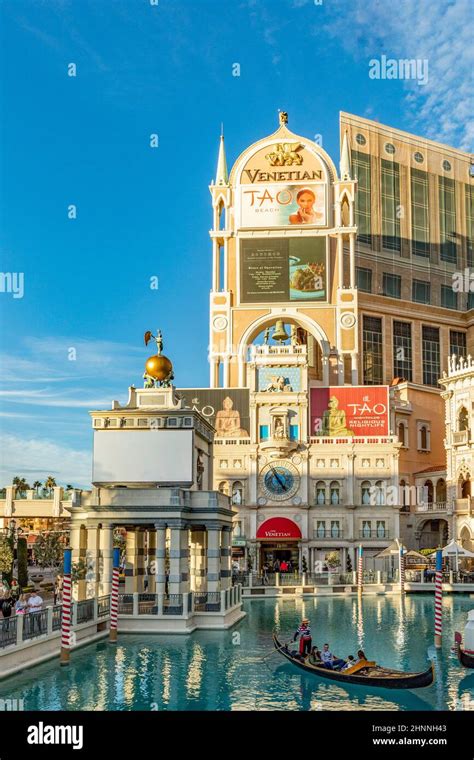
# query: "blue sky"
[143,212]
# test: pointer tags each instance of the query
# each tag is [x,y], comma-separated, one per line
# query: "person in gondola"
[329,660]
[304,632]
[315,656]
[350,662]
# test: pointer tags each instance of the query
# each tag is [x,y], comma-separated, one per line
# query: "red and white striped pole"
[402,571]
[114,596]
[359,570]
[438,623]
[66,610]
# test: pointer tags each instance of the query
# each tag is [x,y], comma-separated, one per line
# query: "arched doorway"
[279,538]
[433,533]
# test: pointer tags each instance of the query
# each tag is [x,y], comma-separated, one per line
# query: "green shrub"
[22,556]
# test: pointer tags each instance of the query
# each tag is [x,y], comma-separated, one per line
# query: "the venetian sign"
[278,528]
[283,185]
[340,411]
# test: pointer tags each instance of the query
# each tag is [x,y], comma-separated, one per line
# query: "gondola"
[467,660]
[368,674]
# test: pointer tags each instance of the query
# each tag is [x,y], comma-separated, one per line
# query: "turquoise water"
[227,670]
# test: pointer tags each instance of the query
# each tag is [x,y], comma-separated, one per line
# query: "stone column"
[134,569]
[192,560]
[106,546]
[179,558]
[200,560]
[213,557]
[160,557]
[151,561]
[78,539]
[226,573]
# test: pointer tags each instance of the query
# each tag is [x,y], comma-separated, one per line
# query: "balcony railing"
[328,502]
[210,601]
[461,437]
[333,533]
[382,534]
[35,624]
[85,611]
[8,633]
[366,441]
[432,506]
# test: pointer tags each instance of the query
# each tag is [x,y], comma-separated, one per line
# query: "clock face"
[279,480]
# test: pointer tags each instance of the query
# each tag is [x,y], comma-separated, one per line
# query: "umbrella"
[453,549]
[391,550]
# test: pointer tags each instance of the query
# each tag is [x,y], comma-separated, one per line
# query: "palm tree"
[50,483]
[21,484]
[69,487]
[37,485]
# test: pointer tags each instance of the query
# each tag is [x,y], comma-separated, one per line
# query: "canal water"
[236,669]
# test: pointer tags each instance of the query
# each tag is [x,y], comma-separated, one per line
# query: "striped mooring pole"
[114,596]
[438,623]
[359,570]
[66,610]
[402,571]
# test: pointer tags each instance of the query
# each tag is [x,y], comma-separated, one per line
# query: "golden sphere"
[158,367]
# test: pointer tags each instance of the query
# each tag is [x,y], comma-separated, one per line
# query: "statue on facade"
[279,429]
[266,336]
[227,422]
[158,368]
[334,420]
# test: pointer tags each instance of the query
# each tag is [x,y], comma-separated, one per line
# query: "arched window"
[237,492]
[463,419]
[320,492]
[365,492]
[380,493]
[466,488]
[429,491]
[402,433]
[423,438]
[403,495]
[441,490]
[224,487]
[334,492]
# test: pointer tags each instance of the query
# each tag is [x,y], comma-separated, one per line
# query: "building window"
[420,291]
[237,493]
[470,224]
[457,344]
[264,432]
[389,148]
[470,301]
[402,359]
[361,170]
[390,206]
[430,355]
[320,492]
[463,419]
[446,166]
[420,224]
[293,432]
[366,528]
[360,139]
[449,299]
[320,529]
[372,347]
[335,529]
[447,220]
[392,285]
[403,433]
[364,279]
[365,489]
[418,157]
[381,529]
[334,493]
[424,436]
[379,493]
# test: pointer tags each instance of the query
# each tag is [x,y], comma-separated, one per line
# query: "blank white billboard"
[143,456]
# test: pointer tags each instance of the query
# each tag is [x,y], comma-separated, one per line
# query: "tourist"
[329,660]
[350,662]
[360,656]
[276,566]
[289,565]
[304,632]
[20,605]
[283,566]
[7,605]
[265,574]
[58,590]
[315,656]
[35,603]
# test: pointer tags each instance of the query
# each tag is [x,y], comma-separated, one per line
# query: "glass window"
[389,148]
[418,157]
[431,355]
[447,219]
[470,224]
[320,492]
[335,529]
[294,432]
[420,291]
[361,170]
[320,529]
[334,492]
[402,356]
[365,492]
[470,301]
[364,279]
[366,528]
[449,299]
[390,206]
[457,343]
[381,530]
[264,432]
[392,285]
[360,139]
[446,166]
[401,433]
[420,226]
[372,348]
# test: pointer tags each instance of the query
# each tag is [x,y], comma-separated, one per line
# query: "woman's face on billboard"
[305,201]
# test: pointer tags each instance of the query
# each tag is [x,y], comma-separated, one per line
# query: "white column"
[151,561]
[354,369]
[179,556]
[92,557]
[340,259]
[213,557]
[226,574]
[106,546]
[352,258]
[160,554]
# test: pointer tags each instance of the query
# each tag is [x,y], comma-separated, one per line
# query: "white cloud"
[36,458]
[439,32]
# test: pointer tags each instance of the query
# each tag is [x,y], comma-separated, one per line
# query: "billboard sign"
[340,411]
[283,205]
[283,269]
[227,409]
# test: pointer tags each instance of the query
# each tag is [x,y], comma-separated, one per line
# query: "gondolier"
[304,632]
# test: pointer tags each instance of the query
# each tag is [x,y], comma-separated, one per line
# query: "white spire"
[345,163]
[222,178]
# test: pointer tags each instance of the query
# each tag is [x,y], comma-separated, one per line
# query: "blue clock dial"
[279,480]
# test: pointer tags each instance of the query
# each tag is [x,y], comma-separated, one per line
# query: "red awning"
[278,529]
